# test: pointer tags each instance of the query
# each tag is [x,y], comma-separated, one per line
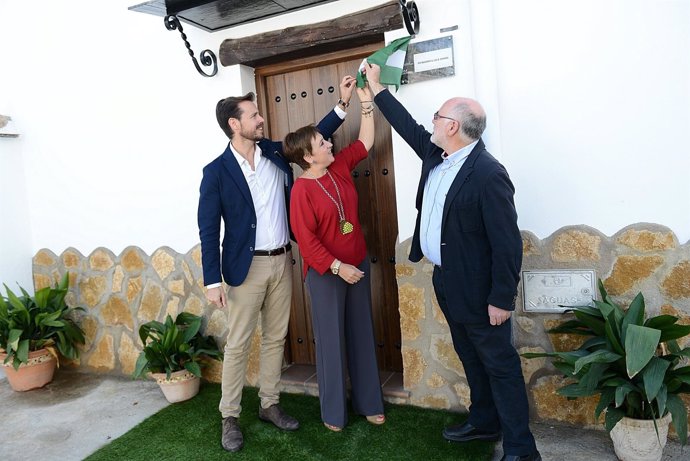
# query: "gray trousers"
[344,333]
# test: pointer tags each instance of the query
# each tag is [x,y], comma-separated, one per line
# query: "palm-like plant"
[634,364]
[174,346]
[30,323]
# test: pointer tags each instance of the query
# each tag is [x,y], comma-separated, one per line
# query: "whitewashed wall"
[595,111]
[588,104]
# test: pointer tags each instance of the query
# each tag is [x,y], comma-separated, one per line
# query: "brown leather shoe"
[231,438]
[274,414]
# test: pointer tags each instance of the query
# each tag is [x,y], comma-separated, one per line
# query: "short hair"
[472,125]
[230,108]
[298,144]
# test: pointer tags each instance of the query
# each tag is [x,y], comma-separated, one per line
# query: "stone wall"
[120,292]
[641,257]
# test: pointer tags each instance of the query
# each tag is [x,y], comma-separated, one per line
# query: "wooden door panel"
[300,103]
[385,230]
[299,345]
[299,100]
[300,334]
[276,108]
[324,88]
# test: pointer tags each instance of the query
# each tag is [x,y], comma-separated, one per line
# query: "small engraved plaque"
[549,290]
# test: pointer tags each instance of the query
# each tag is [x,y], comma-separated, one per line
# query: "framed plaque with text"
[428,59]
[557,290]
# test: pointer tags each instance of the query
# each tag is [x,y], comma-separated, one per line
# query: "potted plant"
[636,367]
[33,329]
[174,353]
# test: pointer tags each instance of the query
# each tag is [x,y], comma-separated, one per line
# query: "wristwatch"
[336,267]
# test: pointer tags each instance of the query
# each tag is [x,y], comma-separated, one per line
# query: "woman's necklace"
[345,226]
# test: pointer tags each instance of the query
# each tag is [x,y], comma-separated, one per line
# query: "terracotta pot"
[181,386]
[636,439]
[37,372]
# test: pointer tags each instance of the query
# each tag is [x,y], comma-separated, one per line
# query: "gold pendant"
[346,227]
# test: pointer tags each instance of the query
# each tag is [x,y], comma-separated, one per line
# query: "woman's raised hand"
[347,84]
[364,94]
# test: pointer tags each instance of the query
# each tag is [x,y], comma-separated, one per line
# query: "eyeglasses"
[437,116]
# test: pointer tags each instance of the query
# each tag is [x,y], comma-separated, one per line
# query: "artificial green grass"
[191,431]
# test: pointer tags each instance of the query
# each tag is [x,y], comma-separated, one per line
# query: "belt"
[277,251]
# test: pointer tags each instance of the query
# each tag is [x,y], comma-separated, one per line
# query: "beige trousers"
[267,291]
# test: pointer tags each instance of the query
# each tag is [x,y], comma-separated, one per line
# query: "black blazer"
[224,193]
[481,246]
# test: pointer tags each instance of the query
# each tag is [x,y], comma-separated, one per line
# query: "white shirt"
[267,186]
[435,190]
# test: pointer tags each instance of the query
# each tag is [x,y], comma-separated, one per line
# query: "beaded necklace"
[344,225]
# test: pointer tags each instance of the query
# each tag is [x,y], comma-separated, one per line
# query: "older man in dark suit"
[467,227]
[248,188]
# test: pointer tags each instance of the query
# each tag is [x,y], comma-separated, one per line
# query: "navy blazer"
[481,246]
[224,193]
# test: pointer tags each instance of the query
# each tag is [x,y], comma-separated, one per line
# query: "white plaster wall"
[595,111]
[15,228]
[115,124]
[588,105]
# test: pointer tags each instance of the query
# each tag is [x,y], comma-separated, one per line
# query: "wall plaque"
[549,290]
[7,129]
[428,60]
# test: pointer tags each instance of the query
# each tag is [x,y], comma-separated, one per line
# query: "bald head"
[470,114]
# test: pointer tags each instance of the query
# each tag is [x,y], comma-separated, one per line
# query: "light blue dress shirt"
[435,190]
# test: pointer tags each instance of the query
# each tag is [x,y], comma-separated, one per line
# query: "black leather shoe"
[274,414]
[466,432]
[231,438]
[533,457]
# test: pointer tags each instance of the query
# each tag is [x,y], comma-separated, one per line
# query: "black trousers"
[494,375]
[344,332]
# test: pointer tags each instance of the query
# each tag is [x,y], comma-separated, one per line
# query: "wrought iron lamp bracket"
[207,57]
[410,16]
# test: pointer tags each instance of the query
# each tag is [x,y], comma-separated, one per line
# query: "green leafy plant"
[174,346]
[633,363]
[30,323]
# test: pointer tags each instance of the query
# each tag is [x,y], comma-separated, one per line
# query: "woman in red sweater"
[323,217]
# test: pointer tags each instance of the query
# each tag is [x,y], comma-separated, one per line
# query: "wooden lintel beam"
[362,27]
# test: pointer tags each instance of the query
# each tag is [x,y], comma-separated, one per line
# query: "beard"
[434,139]
[255,134]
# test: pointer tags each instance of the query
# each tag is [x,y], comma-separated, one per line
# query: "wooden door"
[293,96]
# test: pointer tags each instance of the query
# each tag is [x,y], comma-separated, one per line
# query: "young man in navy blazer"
[248,188]
[467,227]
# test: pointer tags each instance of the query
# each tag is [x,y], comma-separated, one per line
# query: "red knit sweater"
[314,216]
